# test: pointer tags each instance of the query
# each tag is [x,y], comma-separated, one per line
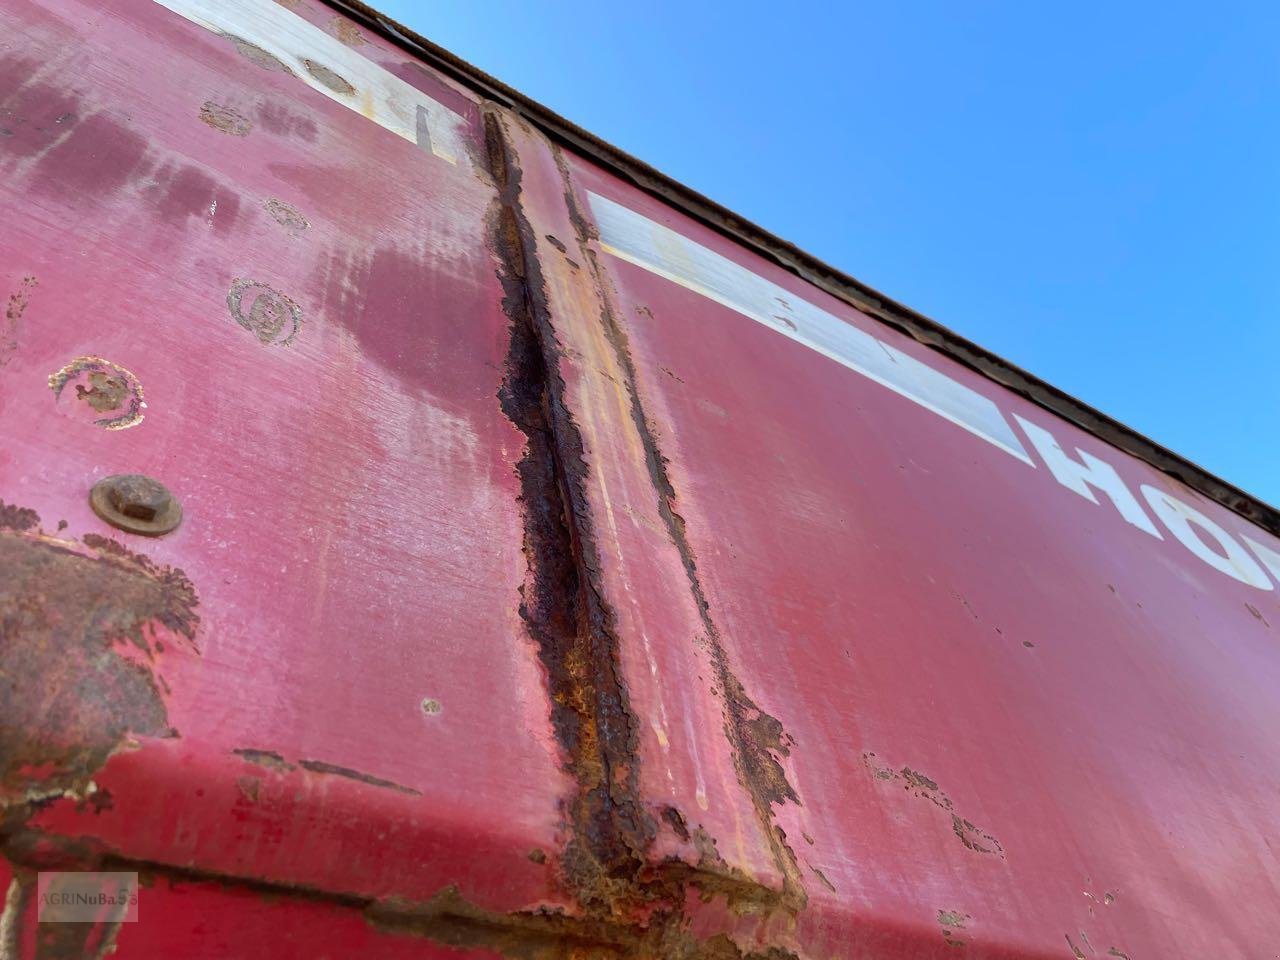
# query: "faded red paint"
[529,604]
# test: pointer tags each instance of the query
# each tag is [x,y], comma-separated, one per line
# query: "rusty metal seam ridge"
[819,273]
[564,608]
[434,918]
[759,771]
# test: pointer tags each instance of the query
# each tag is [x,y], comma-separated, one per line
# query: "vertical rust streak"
[562,604]
[755,737]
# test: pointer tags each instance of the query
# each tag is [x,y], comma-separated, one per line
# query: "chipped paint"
[926,788]
[98,387]
[287,215]
[225,119]
[265,312]
[14,310]
[333,769]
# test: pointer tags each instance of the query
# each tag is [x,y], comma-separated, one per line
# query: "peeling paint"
[319,766]
[926,788]
[80,636]
[225,119]
[265,312]
[287,215]
[14,310]
[99,387]
[265,758]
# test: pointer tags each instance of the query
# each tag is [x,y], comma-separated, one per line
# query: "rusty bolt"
[136,504]
[138,496]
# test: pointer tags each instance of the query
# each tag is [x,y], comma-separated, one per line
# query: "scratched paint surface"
[542,590]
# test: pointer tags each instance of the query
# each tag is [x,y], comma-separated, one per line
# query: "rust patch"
[257,56]
[287,216]
[756,738]
[449,919]
[265,758]
[926,788]
[677,822]
[952,918]
[80,625]
[347,32]
[17,519]
[12,317]
[266,313]
[319,766]
[100,387]
[329,78]
[226,119]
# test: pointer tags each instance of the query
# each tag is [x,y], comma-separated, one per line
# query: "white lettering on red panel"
[632,237]
[326,64]
[637,239]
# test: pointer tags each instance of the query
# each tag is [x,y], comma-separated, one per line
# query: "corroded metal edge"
[820,274]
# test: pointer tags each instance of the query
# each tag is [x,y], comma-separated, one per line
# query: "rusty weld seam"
[561,603]
[445,917]
[755,737]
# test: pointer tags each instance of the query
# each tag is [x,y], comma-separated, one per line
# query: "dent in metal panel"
[326,64]
[632,237]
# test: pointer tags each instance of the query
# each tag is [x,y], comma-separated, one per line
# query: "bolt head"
[136,503]
[139,497]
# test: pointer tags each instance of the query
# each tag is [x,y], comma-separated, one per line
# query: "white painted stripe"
[377,94]
[629,236]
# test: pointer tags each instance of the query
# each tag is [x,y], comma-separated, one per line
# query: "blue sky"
[1090,190]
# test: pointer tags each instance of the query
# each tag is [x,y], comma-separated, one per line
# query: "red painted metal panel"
[1018,720]
[556,577]
[352,533]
